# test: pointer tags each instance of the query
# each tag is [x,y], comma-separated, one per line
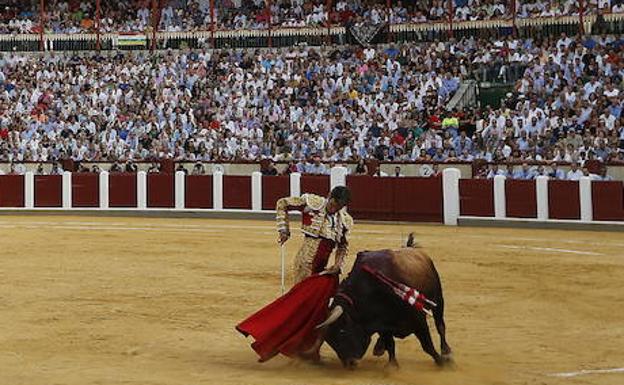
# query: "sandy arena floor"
[154,301]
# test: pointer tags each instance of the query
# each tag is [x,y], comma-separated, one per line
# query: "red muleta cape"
[288,324]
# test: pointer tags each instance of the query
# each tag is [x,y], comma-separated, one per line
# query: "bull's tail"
[411,242]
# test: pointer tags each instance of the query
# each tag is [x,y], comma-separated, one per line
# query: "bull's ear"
[333,317]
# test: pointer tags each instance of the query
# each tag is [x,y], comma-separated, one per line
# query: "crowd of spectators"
[74,16]
[337,104]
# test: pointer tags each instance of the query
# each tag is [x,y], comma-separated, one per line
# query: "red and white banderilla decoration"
[408,294]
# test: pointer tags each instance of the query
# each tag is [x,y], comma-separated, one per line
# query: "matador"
[325,225]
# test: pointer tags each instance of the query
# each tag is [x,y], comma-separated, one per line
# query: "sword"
[283,257]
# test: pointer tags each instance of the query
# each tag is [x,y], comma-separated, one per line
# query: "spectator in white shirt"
[575,172]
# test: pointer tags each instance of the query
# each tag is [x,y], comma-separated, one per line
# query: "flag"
[131,40]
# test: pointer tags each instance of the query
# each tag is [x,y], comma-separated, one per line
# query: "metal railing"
[466,96]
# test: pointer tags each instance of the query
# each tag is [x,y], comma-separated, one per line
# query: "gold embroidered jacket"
[316,222]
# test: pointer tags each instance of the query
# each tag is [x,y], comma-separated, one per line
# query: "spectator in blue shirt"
[461,143]
[556,172]
[524,173]
[317,168]
[494,170]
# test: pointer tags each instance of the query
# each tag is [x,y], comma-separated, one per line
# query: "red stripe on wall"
[85,190]
[198,193]
[315,184]
[48,191]
[476,197]
[274,188]
[607,201]
[520,198]
[371,198]
[418,199]
[398,199]
[11,191]
[236,192]
[160,190]
[563,200]
[122,190]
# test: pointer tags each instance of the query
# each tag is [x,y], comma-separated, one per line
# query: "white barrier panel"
[104,190]
[585,197]
[450,195]
[180,189]
[541,194]
[29,190]
[295,184]
[141,190]
[337,177]
[217,190]
[256,191]
[500,206]
[67,190]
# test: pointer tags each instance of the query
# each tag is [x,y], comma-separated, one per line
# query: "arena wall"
[467,169]
[442,199]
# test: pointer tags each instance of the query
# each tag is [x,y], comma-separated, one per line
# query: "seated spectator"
[575,172]
[317,168]
[602,175]
[154,168]
[378,172]
[56,169]
[361,168]
[436,172]
[181,168]
[524,173]
[81,168]
[290,168]
[494,170]
[556,172]
[303,166]
[198,169]
[116,167]
[131,166]
[270,169]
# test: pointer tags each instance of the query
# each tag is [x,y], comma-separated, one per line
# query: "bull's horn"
[333,316]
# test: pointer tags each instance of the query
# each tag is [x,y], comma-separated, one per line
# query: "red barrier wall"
[160,190]
[563,200]
[315,184]
[198,191]
[85,190]
[366,193]
[48,191]
[476,197]
[418,199]
[236,192]
[11,191]
[122,190]
[399,199]
[607,201]
[520,198]
[274,188]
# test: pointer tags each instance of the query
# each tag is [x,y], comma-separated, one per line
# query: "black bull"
[364,306]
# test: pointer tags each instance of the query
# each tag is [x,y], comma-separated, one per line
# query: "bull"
[363,306]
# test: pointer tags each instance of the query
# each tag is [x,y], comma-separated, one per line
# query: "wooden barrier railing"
[445,198]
